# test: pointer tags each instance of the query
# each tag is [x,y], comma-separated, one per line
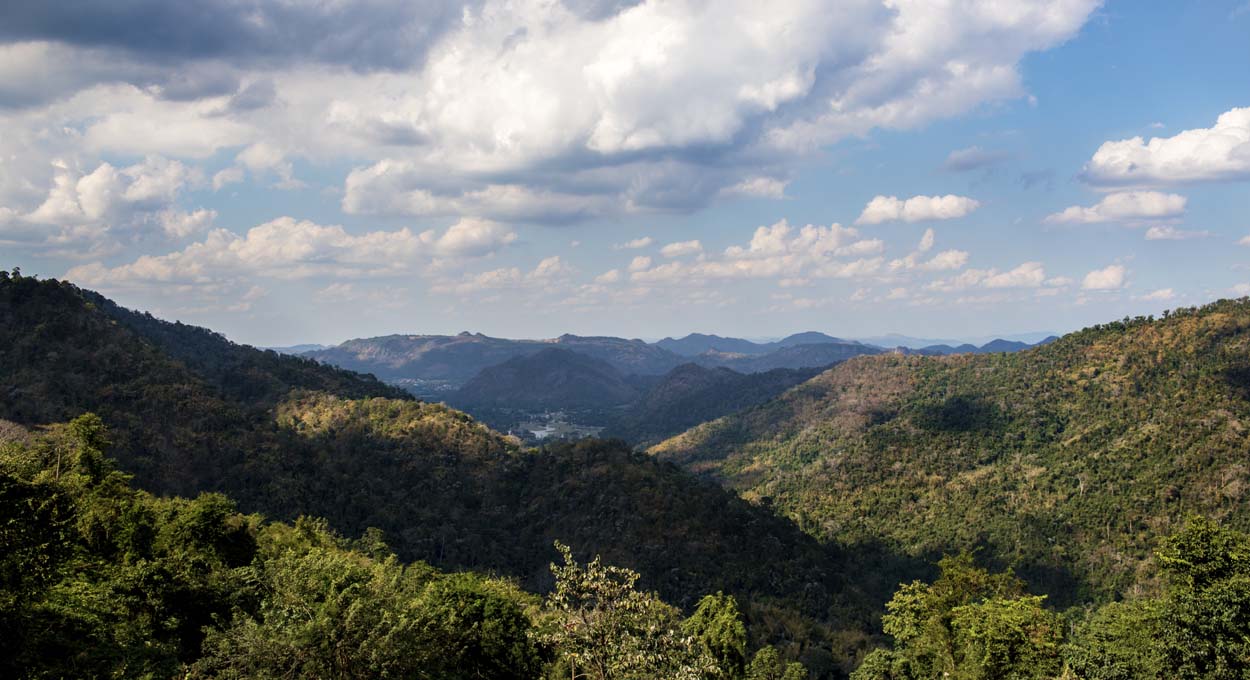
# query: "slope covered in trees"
[99,580]
[551,379]
[303,438]
[1065,461]
[691,394]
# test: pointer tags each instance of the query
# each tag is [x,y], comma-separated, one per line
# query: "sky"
[307,172]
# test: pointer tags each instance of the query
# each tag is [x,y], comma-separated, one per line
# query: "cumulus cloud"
[180,224]
[1124,206]
[945,260]
[1169,233]
[1026,275]
[777,251]
[1159,295]
[497,109]
[635,244]
[682,248]
[287,248]
[610,276]
[109,205]
[639,263]
[547,276]
[1107,278]
[917,208]
[399,188]
[1220,152]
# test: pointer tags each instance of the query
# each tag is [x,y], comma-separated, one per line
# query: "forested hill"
[288,437]
[179,399]
[1065,461]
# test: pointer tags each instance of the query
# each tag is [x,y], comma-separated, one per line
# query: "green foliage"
[717,627]
[969,624]
[331,612]
[767,665]
[1065,462]
[691,394]
[99,580]
[1119,641]
[604,628]
[190,412]
[1204,630]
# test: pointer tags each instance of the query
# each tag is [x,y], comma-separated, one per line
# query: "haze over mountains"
[601,382]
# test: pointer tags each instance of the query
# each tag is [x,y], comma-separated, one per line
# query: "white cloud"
[610,276]
[1244,241]
[287,248]
[640,263]
[179,224]
[1160,294]
[1026,275]
[98,211]
[469,237]
[548,276]
[635,244]
[945,260]
[757,187]
[777,251]
[1168,233]
[682,248]
[1107,278]
[1221,152]
[917,208]
[1124,207]
[226,177]
[264,158]
[551,267]
[926,241]
[399,188]
[526,110]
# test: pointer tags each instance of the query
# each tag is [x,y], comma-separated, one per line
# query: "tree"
[717,627]
[605,629]
[1205,618]
[767,665]
[969,624]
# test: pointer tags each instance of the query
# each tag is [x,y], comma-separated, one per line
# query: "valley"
[808,494]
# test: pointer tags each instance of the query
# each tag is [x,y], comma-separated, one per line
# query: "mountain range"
[808,495]
[188,412]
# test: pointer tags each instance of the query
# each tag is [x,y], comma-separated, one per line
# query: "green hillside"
[100,580]
[288,437]
[1065,462]
[691,394]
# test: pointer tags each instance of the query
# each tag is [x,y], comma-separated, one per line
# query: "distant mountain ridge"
[696,344]
[552,378]
[691,394]
[458,358]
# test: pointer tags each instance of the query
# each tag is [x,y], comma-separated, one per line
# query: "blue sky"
[308,173]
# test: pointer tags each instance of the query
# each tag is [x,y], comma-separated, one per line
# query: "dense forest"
[174,504]
[1064,462]
[100,580]
[287,437]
